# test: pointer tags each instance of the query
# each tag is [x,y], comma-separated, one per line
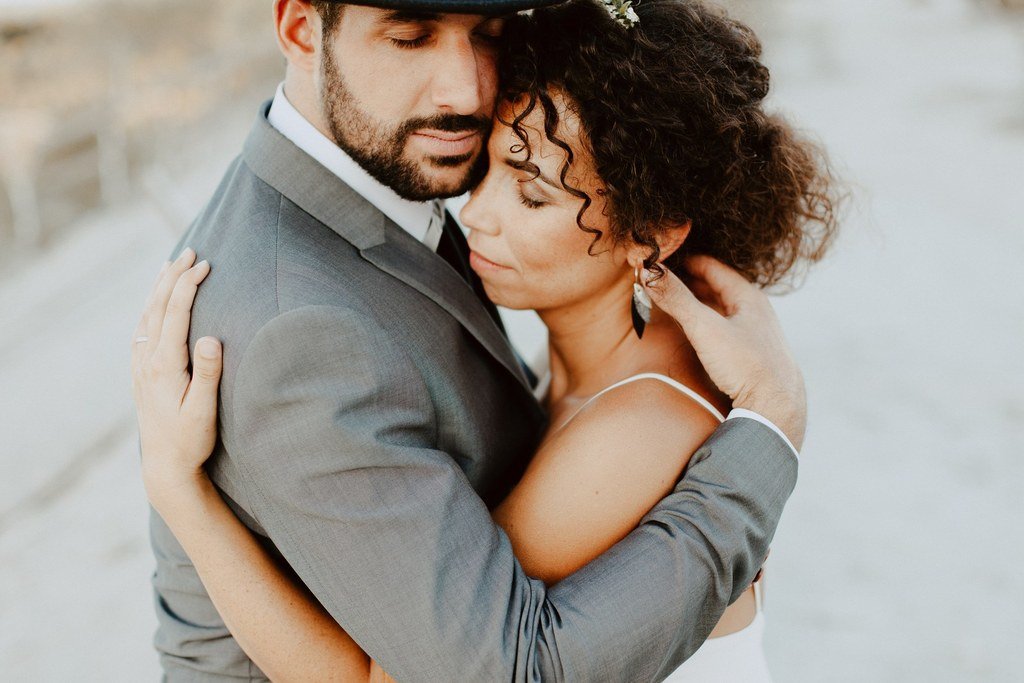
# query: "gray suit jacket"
[371,411]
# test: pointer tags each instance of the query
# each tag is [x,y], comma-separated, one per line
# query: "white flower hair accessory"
[622,12]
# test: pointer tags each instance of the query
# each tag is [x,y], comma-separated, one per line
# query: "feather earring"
[641,305]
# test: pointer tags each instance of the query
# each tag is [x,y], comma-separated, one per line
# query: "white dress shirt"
[743,412]
[423,220]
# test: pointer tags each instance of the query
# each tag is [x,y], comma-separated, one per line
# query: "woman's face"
[526,245]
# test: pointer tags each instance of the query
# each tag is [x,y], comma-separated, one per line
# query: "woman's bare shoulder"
[648,412]
[593,481]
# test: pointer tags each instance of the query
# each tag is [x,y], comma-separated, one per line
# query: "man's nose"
[456,85]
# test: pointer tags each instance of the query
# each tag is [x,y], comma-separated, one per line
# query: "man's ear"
[298,27]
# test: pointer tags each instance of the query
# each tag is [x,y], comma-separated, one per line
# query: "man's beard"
[379,148]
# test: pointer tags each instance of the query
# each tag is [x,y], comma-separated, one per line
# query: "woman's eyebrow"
[530,167]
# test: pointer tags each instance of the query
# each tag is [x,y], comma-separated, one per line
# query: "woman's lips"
[484,265]
[445,144]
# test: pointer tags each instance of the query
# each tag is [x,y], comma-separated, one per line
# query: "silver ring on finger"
[140,340]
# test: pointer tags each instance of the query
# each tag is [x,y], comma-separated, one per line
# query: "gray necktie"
[433,236]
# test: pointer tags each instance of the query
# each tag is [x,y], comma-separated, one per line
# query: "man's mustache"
[449,123]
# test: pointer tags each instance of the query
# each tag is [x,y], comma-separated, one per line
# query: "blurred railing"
[95,94]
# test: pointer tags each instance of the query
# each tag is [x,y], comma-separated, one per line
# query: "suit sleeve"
[192,641]
[330,426]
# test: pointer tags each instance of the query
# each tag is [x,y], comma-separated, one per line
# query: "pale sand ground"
[898,558]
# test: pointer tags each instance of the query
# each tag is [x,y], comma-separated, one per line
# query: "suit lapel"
[324,196]
[404,258]
[460,248]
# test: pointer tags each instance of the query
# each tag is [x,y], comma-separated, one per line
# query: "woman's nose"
[476,214]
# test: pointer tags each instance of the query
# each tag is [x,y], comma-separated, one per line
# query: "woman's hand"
[177,412]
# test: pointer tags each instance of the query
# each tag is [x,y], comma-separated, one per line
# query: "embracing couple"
[354,475]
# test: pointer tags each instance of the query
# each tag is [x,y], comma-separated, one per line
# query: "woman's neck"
[591,343]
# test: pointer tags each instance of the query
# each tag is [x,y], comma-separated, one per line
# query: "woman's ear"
[671,239]
[298,32]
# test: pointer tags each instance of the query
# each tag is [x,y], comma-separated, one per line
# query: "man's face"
[410,96]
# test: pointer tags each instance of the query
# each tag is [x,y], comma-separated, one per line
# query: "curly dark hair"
[671,113]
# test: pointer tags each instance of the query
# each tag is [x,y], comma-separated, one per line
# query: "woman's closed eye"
[529,197]
[530,203]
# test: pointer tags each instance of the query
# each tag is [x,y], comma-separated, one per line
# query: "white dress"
[734,658]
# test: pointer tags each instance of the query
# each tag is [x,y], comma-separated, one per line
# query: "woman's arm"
[285,631]
[564,513]
[592,482]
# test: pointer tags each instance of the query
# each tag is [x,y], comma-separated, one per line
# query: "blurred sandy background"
[899,556]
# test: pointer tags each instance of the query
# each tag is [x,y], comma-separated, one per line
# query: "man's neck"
[302,95]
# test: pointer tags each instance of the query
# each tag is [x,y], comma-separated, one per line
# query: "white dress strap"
[661,378]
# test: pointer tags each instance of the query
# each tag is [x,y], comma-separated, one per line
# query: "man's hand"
[737,337]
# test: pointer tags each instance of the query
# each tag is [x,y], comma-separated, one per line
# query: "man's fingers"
[705,293]
[157,305]
[728,285]
[676,299]
[173,347]
[201,399]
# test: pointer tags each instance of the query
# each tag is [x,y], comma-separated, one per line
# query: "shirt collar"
[413,217]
